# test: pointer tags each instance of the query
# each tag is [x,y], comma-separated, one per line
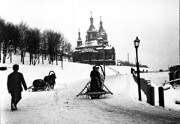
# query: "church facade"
[96,48]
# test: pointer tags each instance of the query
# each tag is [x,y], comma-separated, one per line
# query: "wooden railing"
[170,82]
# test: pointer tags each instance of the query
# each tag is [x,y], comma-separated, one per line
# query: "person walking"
[15,82]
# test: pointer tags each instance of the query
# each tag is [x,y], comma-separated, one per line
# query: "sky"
[155,22]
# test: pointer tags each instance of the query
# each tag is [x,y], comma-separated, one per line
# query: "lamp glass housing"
[136,42]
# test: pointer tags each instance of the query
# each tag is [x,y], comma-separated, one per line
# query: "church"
[95,49]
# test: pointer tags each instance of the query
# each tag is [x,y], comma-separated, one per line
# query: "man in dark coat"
[95,79]
[14,84]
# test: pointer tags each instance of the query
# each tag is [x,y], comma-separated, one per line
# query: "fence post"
[150,95]
[161,96]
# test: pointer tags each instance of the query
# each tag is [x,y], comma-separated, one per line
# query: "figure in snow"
[15,82]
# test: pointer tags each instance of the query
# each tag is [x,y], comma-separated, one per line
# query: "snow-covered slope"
[170,95]
[62,106]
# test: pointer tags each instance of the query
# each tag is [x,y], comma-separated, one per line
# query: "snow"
[170,96]
[91,43]
[62,106]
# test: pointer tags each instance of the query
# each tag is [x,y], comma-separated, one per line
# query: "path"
[62,106]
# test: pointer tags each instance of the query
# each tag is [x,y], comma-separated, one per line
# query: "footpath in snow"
[62,106]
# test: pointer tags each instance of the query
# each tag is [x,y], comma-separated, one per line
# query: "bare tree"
[23,28]
[48,43]
[54,40]
[2,35]
[33,45]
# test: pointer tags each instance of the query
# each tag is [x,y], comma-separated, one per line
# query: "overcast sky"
[155,22]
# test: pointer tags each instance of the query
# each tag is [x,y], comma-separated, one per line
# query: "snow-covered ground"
[62,106]
[170,96]
[157,79]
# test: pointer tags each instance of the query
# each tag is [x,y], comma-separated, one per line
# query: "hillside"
[62,106]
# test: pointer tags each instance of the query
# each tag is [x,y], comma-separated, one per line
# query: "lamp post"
[136,45]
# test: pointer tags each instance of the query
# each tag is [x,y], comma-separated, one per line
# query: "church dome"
[102,32]
[91,27]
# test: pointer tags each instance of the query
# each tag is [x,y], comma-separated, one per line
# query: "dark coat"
[15,82]
[95,81]
[94,74]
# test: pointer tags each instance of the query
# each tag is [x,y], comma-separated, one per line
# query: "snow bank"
[156,79]
[170,95]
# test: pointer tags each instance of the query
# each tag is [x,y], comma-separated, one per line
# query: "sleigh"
[45,84]
[93,90]
[94,94]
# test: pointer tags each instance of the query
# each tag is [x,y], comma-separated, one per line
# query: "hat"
[96,67]
[15,67]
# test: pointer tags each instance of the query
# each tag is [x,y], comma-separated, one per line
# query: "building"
[96,48]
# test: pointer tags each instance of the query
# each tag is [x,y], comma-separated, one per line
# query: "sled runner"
[44,84]
[93,90]
[94,94]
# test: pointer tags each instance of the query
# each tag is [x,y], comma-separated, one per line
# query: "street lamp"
[136,45]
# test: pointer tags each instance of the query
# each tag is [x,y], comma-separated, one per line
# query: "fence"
[148,89]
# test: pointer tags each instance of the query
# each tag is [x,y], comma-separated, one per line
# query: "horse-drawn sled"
[96,87]
[44,84]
